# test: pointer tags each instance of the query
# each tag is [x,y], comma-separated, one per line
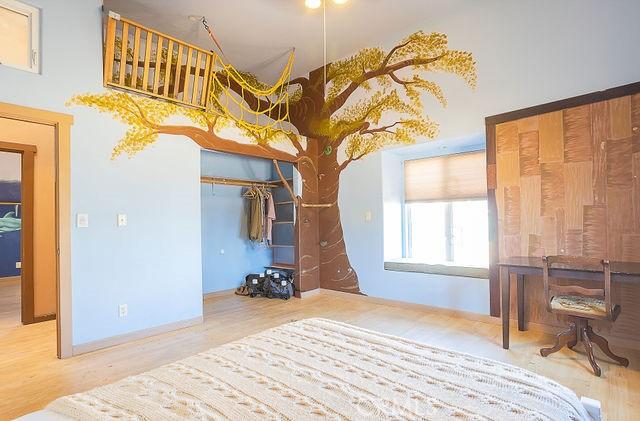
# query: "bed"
[323,369]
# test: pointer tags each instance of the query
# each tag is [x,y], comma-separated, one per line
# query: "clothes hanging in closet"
[255,218]
[261,213]
[270,217]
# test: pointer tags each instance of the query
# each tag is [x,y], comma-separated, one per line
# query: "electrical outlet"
[18,265]
[123,310]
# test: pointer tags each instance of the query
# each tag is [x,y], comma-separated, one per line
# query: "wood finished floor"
[31,375]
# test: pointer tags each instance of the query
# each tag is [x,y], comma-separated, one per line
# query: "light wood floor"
[31,376]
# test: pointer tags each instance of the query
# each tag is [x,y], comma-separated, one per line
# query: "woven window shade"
[446,178]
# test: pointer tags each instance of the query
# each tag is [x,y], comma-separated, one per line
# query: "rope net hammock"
[241,97]
[256,107]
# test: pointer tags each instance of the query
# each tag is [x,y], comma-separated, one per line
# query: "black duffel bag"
[255,284]
[277,286]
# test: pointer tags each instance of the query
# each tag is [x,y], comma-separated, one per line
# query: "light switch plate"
[122,220]
[368,216]
[18,265]
[82,220]
[123,310]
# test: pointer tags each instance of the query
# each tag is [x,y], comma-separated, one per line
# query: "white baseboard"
[133,336]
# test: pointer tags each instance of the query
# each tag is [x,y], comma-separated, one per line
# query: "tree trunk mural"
[307,259]
[336,271]
[370,100]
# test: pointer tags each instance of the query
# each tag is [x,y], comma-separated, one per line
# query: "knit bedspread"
[322,369]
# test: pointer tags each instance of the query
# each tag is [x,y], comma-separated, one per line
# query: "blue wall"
[225,220]
[9,238]
[154,264]
[369,244]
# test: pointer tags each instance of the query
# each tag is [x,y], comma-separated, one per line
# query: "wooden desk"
[524,266]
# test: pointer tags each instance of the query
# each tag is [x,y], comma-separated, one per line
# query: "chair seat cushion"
[588,306]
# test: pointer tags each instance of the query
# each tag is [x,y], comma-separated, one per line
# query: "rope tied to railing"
[247,89]
[213,37]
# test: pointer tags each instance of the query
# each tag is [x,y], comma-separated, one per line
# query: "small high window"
[19,36]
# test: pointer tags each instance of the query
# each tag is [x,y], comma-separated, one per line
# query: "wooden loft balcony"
[148,62]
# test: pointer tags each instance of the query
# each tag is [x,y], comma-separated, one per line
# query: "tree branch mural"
[373,99]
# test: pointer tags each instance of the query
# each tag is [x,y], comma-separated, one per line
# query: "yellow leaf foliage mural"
[372,99]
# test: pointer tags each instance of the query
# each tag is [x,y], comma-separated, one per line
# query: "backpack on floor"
[255,284]
[277,286]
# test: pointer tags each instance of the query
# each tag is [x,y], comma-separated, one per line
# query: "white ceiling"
[257,34]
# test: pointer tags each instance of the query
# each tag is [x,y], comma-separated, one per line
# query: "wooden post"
[176,83]
[187,74]
[109,52]
[156,73]
[136,58]
[196,79]
[505,284]
[147,58]
[124,41]
[204,99]
[167,70]
[27,271]
[520,294]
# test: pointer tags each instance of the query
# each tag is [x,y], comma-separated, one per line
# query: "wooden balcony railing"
[148,62]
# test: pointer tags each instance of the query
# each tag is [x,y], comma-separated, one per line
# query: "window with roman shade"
[446,178]
[446,214]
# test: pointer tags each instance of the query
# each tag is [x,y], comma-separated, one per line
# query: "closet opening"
[248,220]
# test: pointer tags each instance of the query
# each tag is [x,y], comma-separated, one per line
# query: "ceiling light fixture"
[313,4]
[340,1]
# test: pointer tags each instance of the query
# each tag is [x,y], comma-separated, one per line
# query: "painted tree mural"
[372,99]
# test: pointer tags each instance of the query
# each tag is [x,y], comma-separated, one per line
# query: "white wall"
[369,244]
[528,52]
[531,52]
[153,264]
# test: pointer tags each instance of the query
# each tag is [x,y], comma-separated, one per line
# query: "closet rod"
[239,182]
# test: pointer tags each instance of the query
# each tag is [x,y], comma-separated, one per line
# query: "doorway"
[27,231]
[10,238]
[39,140]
